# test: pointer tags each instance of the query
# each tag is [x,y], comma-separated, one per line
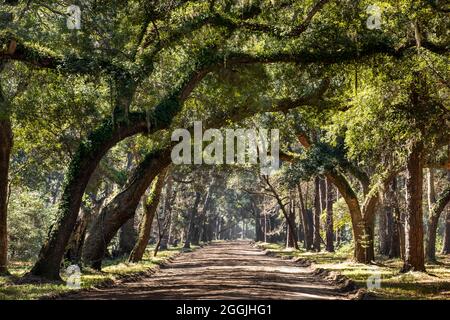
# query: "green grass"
[112,271]
[435,284]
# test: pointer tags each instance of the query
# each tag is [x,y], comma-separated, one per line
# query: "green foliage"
[29,217]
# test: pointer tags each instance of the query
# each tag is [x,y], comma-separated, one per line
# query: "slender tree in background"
[192,220]
[317,212]
[329,228]
[6,143]
[446,239]
[307,220]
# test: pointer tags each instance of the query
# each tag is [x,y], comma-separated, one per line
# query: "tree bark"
[259,233]
[282,207]
[383,231]
[164,224]
[123,124]
[362,225]
[75,246]
[433,219]
[414,250]
[329,224]
[317,207]
[446,240]
[307,221]
[150,205]
[83,164]
[291,237]
[127,238]
[6,142]
[192,221]
[122,207]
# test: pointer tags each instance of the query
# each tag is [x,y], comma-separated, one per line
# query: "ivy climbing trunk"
[83,164]
[150,204]
[122,207]
[123,124]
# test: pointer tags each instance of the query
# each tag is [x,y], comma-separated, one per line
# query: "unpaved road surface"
[228,270]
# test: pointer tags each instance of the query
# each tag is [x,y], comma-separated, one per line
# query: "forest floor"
[224,270]
[113,270]
[434,284]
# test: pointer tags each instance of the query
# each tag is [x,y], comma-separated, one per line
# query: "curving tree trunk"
[433,219]
[83,164]
[123,124]
[150,205]
[446,240]
[363,219]
[75,246]
[122,207]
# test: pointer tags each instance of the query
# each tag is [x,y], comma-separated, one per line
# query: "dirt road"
[228,270]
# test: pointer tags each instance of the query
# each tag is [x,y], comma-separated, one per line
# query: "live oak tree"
[127,45]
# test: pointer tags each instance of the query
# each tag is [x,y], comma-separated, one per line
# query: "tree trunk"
[6,142]
[394,220]
[259,233]
[150,204]
[433,219]
[123,124]
[127,238]
[329,225]
[75,246]
[307,220]
[383,230]
[397,235]
[192,221]
[289,236]
[122,207]
[323,194]
[317,207]
[430,245]
[446,240]
[83,164]
[414,250]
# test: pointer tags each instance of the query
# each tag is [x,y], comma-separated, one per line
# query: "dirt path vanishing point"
[224,270]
